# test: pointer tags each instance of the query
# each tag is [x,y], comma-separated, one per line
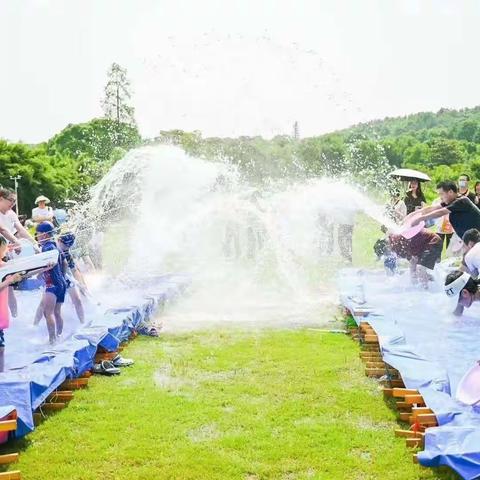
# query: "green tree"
[96,145]
[117,96]
[446,152]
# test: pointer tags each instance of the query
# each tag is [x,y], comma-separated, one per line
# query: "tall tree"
[117,96]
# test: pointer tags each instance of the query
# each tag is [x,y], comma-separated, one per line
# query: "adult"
[414,198]
[422,251]
[42,213]
[462,287]
[471,248]
[463,188]
[10,226]
[463,214]
[477,191]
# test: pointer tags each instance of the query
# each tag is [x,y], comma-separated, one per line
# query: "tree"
[96,145]
[446,152]
[117,95]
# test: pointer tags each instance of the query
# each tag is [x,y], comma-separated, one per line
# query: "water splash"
[255,255]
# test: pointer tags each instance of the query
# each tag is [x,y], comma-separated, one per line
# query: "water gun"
[29,266]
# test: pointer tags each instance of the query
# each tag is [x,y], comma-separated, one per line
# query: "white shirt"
[42,212]
[472,259]
[8,221]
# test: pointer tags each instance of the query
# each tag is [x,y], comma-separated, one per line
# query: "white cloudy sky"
[229,67]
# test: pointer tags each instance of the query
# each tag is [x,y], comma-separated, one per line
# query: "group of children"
[59,279]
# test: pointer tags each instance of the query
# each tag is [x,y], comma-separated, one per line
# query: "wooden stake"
[8,425]
[14,475]
[74,384]
[401,392]
[8,458]
[52,406]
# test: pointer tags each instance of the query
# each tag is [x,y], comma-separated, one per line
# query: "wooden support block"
[420,411]
[374,372]
[371,339]
[403,406]
[99,357]
[406,433]
[86,374]
[372,364]
[414,399]
[63,396]
[401,392]
[415,459]
[50,407]
[397,383]
[426,419]
[74,384]
[37,418]
[8,458]
[370,354]
[8,425]
[371,347]
[388,392]
[415,442]
[404,416]
[13,475]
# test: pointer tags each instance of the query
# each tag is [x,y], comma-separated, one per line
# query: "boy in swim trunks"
[55,284]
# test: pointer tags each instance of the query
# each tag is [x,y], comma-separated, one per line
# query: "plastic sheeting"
[33,369]
[432,350]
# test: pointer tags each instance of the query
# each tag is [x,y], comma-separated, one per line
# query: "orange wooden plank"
[8,425]
[401,392]
[8,458]
[13,475]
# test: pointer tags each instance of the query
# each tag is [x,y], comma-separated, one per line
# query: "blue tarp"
[33,369]
[432,350]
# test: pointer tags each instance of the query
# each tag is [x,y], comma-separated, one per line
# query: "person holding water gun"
[55,284]
[4,309]
[65,243]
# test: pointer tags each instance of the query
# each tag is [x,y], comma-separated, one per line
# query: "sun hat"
[42,198]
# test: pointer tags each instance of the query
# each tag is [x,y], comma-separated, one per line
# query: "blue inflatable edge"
[456,441]
[25,389]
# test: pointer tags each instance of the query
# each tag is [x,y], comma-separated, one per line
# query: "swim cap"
[68,239]
[454,288]
[45,227]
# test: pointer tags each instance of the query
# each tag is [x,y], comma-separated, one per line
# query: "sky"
[230,68]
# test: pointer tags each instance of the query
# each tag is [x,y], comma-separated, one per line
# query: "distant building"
[296,131]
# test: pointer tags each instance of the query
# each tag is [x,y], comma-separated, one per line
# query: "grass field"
[227,405]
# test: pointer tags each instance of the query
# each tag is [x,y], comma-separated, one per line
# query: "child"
[65,242]
[4,288]
[55,284]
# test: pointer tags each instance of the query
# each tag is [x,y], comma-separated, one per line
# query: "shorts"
[58,291]
[431,255]
[2,338]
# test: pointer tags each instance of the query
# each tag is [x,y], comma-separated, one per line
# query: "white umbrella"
[406,174]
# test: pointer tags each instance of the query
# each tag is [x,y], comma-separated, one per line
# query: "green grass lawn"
[227,405]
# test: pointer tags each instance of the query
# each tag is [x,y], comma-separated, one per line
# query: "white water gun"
[29,266]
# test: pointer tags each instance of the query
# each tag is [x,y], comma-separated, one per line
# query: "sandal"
[106,368]
[118,361]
